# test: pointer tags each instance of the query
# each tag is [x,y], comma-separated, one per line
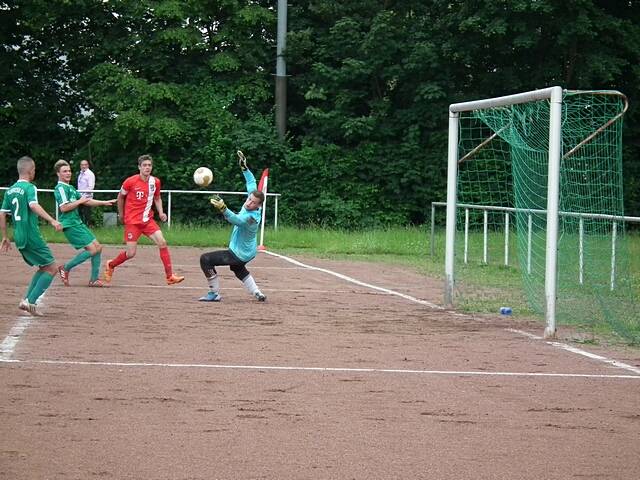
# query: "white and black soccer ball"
[203,176]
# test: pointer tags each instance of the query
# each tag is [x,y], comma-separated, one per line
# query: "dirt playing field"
[329,379]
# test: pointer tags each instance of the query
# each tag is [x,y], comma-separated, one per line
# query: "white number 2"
[16,217]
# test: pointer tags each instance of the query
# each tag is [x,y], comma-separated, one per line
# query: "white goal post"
[554,95]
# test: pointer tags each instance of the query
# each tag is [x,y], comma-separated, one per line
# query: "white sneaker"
[31,308]
[260,296]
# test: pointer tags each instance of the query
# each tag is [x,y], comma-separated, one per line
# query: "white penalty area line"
[8,345]
[584,353]
[356,282]
[455,373]
[568,348]
[23,322]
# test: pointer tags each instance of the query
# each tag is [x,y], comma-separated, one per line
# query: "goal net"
[539,217]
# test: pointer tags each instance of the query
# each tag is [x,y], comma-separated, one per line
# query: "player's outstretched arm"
[250,180]
[242,161]
[102,203]
[231,217]
[67,207]
[42,213]
[239,218]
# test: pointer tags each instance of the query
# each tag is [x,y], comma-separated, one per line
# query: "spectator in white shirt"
[86,181]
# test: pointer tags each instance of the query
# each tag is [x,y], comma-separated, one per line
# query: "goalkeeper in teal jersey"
[78,234]
[242,245]
[21,203]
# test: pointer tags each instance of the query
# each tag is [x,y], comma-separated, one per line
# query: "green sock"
[95,266]
[41,285]
[77,260]
[34,281]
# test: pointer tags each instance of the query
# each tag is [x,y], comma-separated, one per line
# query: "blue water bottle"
[505,311]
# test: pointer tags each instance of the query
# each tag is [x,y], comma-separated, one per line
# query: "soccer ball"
[202,176]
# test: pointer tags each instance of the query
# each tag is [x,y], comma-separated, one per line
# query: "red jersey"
[139,198]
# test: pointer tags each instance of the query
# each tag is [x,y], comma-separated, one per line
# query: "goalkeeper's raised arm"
[249,178]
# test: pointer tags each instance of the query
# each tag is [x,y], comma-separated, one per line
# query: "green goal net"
[501,224]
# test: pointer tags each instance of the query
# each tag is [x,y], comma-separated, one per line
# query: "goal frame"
[554,95]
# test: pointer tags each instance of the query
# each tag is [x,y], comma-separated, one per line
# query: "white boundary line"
[324,369]
[357,282]
[8,345]
[562,346]
[584,353]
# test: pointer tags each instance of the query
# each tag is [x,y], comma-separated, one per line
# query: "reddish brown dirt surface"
[326,380]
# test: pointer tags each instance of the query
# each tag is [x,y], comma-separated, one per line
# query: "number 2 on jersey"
[16,217]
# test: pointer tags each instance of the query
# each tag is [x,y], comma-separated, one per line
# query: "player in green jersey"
[77,233]
[21,202]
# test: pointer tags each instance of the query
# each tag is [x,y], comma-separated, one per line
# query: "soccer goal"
[540,173]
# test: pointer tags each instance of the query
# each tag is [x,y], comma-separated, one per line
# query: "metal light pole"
[281,70]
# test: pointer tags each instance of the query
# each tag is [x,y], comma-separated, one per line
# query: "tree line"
[368,89]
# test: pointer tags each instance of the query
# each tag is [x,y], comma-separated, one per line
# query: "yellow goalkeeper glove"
[218,203]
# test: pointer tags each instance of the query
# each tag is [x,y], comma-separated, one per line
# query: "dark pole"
[281,70]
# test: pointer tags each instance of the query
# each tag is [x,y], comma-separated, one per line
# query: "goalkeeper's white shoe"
[210,297]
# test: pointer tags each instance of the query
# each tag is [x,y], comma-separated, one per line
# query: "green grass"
[406,246]
[592,307]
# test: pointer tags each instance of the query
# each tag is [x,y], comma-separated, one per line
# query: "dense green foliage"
[370,81]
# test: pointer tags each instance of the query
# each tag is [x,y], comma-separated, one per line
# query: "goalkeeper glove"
[242,161]
[218,203]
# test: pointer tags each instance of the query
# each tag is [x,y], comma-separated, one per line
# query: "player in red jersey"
[137,197]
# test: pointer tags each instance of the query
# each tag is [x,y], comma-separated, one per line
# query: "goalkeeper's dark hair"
[259,195]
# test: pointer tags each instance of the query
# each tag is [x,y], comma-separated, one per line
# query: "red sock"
[166,260]
[121,258]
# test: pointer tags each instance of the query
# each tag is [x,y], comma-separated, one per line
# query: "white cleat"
[30,308]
